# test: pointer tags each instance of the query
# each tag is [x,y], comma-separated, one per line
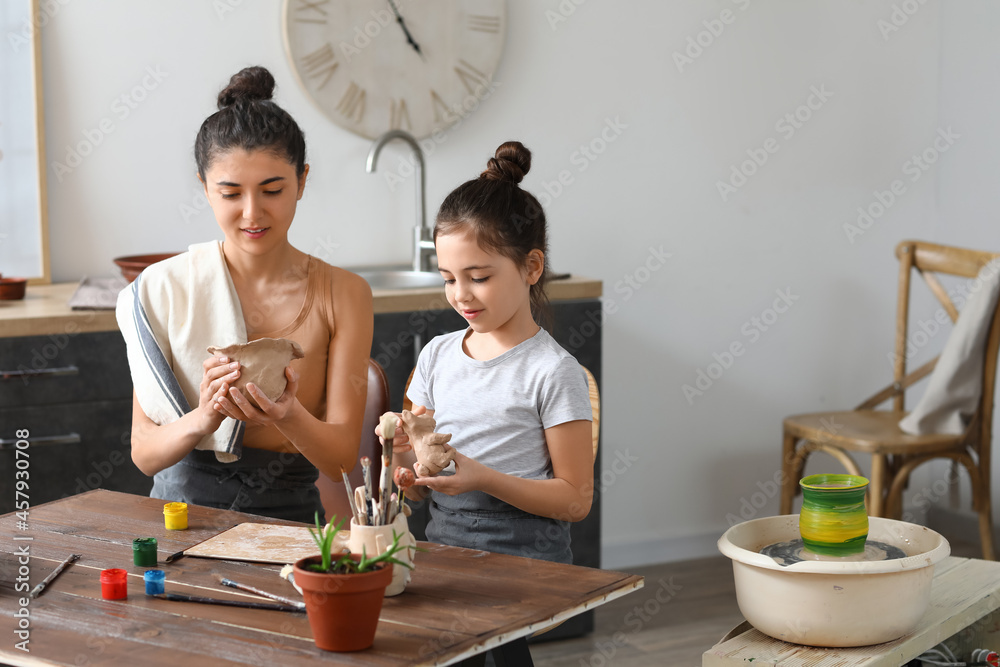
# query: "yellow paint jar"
[175,516]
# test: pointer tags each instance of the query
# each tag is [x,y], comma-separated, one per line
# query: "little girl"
[515,402]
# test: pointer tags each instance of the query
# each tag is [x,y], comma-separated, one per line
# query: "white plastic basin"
[826,603]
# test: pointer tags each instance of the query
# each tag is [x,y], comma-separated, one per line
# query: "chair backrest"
[595,405]
[331,491]
[595,408]
[927,260]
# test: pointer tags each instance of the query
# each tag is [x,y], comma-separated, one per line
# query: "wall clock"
[378,65]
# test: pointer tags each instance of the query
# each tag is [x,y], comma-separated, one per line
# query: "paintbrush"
[366,471]
[404,479]
[388,425]
[359,499]
[37,590]
[179,597]
[256,591]
[391,512]
[350,496]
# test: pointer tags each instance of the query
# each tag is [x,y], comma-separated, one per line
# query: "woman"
[251,161]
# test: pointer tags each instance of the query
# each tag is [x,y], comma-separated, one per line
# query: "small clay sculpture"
[262,362]
[433,454]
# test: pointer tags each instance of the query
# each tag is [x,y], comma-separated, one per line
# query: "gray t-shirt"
[497,410]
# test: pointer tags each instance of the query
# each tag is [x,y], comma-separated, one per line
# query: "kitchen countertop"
[44,309]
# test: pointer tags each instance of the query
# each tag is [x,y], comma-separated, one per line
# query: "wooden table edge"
[628,585]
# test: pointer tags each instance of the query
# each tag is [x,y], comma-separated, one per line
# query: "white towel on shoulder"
[169,316]
[955,385]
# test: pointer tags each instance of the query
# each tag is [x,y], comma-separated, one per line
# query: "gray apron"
[477,520]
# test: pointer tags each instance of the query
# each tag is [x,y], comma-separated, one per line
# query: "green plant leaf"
[345,564]
[323,537]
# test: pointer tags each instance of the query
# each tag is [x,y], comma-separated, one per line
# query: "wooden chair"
[331,491]
[895,454]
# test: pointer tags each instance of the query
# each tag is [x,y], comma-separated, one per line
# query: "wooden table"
[459,603]
[965,598]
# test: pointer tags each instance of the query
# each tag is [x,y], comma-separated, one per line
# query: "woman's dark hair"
[248,119]
[501,216]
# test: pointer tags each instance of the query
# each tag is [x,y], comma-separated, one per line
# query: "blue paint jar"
[154,581]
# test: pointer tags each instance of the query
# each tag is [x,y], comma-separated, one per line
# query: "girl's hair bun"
[251,83]
[510,163]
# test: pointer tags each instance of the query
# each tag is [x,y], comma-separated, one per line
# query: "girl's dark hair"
[248,119]
[502,217]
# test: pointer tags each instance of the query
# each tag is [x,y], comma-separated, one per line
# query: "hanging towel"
[956,382]
[169,316]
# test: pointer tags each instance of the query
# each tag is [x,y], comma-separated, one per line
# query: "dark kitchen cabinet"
[73,395]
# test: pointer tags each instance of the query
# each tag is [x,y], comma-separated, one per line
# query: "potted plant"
[343,592]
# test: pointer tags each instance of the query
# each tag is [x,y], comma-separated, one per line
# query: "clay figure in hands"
[262,362]
[431,449]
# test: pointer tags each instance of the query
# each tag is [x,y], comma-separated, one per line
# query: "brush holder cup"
[834,521]
[377,539]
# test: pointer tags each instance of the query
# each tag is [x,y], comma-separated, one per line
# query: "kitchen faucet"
[423,244]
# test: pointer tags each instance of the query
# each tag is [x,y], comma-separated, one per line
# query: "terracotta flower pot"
[343,609]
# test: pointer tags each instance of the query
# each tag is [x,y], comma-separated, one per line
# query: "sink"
[402,279]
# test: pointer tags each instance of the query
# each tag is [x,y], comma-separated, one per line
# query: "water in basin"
[794,551]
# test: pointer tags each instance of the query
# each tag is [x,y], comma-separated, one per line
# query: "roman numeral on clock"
[399,115]
[472,79]
[352,104]
[313,5]
[320,63]
[483,23]
[442,112]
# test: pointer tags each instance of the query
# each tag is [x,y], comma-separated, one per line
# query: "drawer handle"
[39,372]
[67,439]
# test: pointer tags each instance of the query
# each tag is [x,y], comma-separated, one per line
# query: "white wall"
[683,466]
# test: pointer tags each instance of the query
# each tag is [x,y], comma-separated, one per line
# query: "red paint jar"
[114,584]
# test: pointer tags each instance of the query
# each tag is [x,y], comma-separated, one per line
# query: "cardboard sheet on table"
[263,543]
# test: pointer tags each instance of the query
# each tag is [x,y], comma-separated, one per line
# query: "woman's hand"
[400,441]
[237,406]
[218,376]
[470,475]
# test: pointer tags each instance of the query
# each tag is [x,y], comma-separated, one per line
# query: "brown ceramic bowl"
[12,288]
[133,265]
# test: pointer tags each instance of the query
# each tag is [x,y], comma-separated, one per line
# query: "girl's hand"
[469,476]
[237,406]
[218,376]
[400,441]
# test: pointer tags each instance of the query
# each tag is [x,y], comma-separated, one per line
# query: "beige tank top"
[313,329]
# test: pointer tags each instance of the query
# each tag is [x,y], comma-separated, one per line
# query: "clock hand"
[402,24]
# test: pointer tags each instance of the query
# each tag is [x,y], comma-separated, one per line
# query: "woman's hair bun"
[250,83]
[510,163]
